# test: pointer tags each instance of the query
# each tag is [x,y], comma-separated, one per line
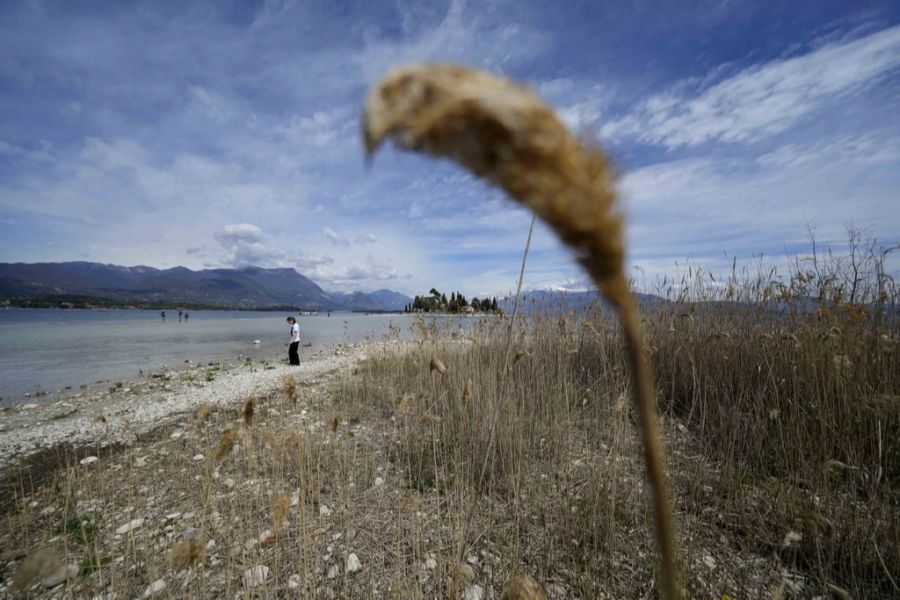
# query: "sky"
[226,134]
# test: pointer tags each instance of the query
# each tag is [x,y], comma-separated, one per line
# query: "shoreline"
[136,406]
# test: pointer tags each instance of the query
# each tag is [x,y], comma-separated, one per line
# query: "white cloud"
[363,239]
[334,237]
[239,232]
[761,100]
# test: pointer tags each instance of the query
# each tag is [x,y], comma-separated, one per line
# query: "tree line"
[457,303]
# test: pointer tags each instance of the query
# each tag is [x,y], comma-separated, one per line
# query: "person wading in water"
[293,357]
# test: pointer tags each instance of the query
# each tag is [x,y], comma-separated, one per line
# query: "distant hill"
[248,287]
[372,301]
[554,301]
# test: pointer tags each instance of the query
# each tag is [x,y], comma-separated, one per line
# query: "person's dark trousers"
[292,353]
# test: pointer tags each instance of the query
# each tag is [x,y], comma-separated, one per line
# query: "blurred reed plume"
[281,508]
[523,587]
[502,132]
[289,385]
[203,411]
[248,410]
[187,553]
[226,443]
[38,565]
[437,365]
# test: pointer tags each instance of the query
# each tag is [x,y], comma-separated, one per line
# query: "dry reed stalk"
[247,412]
[502,132]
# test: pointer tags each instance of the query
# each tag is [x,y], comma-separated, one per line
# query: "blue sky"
[225,134]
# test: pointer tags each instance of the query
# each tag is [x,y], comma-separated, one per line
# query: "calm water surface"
[46,350]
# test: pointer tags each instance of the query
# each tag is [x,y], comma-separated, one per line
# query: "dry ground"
[308,485]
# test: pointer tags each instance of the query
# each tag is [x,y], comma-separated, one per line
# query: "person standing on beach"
[293,357]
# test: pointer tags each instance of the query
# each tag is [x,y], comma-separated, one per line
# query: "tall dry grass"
[782,406]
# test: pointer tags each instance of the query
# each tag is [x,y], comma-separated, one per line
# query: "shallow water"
[43,351]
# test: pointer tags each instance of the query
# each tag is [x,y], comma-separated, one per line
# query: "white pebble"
[474,592]
[133,524]
[353,564]
[88,460]
[256,576]
[154,588]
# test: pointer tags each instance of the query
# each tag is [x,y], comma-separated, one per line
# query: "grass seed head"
[502,132]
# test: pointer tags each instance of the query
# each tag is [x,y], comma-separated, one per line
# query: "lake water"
[43,351]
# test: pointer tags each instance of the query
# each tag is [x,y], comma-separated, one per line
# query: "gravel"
[117,417]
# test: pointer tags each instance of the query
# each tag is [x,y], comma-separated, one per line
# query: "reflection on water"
[50,349]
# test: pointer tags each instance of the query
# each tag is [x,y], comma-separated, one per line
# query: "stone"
[353,564]
[379,482]
[228,482]
[324,511]
[474,592]
[256,576]
[60,575]
[88,460]
[333,571]
[294,581]
[129,526]
[155,588]
[198,457]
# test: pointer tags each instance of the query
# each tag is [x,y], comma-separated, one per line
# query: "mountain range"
[561,300]
[247,287]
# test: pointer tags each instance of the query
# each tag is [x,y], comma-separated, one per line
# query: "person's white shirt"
[295,332]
